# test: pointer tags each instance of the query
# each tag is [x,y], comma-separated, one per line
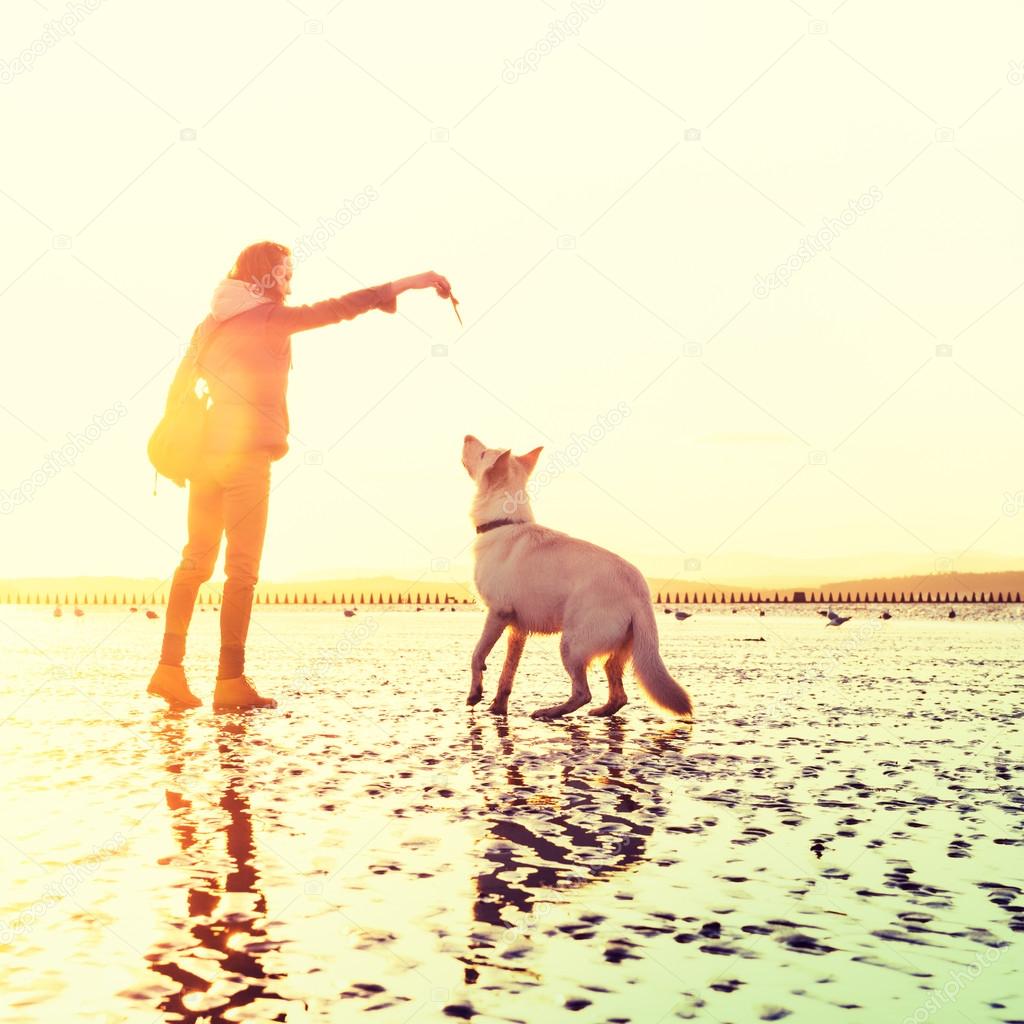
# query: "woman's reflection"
[221,968]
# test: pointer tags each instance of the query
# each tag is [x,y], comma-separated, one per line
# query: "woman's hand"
[436,281]
[428,279]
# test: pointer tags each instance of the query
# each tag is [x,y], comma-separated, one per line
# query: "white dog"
[536,580]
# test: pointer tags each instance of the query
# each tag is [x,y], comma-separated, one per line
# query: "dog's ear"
[529,460]
[498,469]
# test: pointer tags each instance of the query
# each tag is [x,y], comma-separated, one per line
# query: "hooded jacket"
[243,352]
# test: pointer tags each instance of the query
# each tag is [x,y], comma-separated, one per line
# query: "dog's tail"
[650,669]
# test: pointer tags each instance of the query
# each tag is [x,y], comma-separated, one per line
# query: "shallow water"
[839,837]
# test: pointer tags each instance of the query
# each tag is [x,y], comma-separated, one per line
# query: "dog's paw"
[606,710]
[474,698]
[546,714]
[498,709]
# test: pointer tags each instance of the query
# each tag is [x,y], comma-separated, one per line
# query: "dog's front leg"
[516,641]
[493,628]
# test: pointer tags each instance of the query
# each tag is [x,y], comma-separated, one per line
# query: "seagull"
[836,620]
[668,611]
[58,612]
[886,616]
[134,609]
[150,614]
[78,612]
[952,613]
[762,613]
[682,616]
[349,614]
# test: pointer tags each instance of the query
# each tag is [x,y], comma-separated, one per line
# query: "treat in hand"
[439,283]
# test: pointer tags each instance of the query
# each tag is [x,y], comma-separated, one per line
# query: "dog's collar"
[495,523]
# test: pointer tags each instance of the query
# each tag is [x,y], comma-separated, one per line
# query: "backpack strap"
[204,346]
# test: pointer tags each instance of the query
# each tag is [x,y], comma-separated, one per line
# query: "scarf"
[232,297]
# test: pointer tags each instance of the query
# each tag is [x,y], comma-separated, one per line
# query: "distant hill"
[938,584]
[1011,582]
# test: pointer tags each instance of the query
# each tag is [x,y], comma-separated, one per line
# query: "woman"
[243,352]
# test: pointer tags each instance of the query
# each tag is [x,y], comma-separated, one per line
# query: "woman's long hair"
[262,266]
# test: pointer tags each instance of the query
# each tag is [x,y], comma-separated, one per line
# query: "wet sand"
[839,837]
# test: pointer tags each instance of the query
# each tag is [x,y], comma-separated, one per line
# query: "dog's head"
[497,468]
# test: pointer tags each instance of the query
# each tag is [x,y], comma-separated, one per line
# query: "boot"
[170,683]
[239,693]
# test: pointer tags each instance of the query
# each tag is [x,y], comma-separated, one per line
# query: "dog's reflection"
[219,968]
[591,818]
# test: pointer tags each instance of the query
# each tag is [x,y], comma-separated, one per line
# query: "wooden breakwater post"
[722,597]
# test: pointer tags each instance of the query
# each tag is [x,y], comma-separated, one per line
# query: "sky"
[762,258]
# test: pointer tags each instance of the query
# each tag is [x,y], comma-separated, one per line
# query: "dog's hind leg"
[494,626]
[613,668]
[516,642]
[576,665]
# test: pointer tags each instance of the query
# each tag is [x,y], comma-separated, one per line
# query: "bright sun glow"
[801,300]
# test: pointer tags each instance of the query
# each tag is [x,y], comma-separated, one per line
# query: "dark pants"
[229,497]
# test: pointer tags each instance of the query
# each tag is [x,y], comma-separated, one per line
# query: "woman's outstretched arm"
[348,307]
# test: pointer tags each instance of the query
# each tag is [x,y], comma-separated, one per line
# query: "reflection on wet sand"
[219,966]
[842,831]
[596,823]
